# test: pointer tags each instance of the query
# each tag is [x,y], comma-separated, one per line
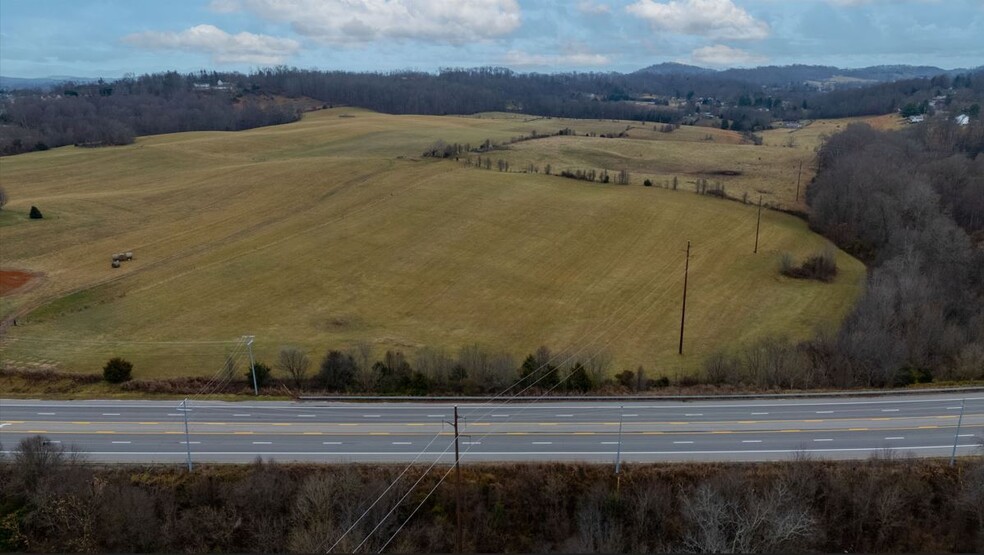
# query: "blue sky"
[108,38]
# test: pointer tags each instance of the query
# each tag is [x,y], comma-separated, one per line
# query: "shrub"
[821,267]
[35,213]
[337,371]
[626,379]
[262,374]
[117,370]
[648,183]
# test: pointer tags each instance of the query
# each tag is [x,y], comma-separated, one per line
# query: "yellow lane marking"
[104,432]
[516,433]
[812,421]
[790,431]
[722,432]
[280,424]
[472,424]
[548,423]
[653,433]
[149,423]
[860,429]
[347,424]
[379,433]
[748,421]
[584,433]
[927,427]
[36,432]
[311,433]
[242,433]
[679,423]
[82,423]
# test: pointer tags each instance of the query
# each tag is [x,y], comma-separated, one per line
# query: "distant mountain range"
[785,75]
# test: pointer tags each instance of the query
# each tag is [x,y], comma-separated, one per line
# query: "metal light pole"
[252,363]
[956,435]
[457,486]
[683,314]
[618,451]
[184,409]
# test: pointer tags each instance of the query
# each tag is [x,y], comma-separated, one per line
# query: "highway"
[743,430]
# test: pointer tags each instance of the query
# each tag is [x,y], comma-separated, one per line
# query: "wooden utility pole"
[683,315]
[798,174]
[758,225]
[457,486]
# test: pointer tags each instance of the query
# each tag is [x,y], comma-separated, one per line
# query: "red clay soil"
[12,280]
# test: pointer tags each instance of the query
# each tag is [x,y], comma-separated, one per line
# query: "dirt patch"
[12,281]
[726,172]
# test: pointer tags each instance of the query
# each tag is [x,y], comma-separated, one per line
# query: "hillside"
[332,230]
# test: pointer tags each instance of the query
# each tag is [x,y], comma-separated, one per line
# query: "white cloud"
[355,21]
[223,47]
[519,58]
[719,19]
[722,55]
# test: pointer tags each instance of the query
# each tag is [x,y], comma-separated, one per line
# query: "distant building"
[917,119]
[962,119]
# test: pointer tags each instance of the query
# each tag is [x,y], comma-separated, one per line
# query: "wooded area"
[51,501]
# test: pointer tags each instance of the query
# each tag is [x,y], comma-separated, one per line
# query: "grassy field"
[333,230]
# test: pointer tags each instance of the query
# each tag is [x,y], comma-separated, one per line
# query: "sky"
[110,38]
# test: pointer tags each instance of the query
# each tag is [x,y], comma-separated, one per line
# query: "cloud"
[717,19]
[241,48]
[359,21]
[722,55]
[519,58]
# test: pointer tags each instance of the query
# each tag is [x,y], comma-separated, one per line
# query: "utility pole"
[758,225]
[457,486]
[683,315]
[618,452]
[956,435]
[798,174]
[252,363]
[184,409]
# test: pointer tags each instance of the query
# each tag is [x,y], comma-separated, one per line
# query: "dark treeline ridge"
[112,113]
[100,114]
[911,205]
[52,501]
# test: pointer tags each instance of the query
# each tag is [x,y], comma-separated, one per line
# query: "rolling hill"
[333,230]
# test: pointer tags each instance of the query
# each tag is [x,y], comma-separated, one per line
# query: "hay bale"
[116,263]
[128,255]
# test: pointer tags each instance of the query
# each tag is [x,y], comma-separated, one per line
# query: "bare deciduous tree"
[295,363]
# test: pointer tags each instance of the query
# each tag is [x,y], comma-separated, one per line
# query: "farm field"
[333,230]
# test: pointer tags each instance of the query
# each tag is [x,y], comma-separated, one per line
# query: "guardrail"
[723,396]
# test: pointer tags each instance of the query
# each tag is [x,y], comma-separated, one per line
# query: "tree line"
[911,205]
[51,500]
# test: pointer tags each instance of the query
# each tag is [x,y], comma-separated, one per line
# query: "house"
[962,119]
[917,119]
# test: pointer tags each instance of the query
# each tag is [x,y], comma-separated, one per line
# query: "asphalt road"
[746,430]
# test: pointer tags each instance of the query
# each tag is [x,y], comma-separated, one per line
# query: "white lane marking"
[564,416]
[239,415]
[682,442]
[402,443]
[54,441]
[500,416]
[307,416]
[629,415]
[609,443]
[189,442]
[331,443]
[695,414]
[471,442]
[174,414]
[965,435]
[890,410]
[262,443]
[542,443]
[825,412]
[5,424]
[759,413]
[894,438]
[953,408]
[111,414]
[435,416]
[370,416]
[824,439]
[122,442]
[751,441]
[46,414]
